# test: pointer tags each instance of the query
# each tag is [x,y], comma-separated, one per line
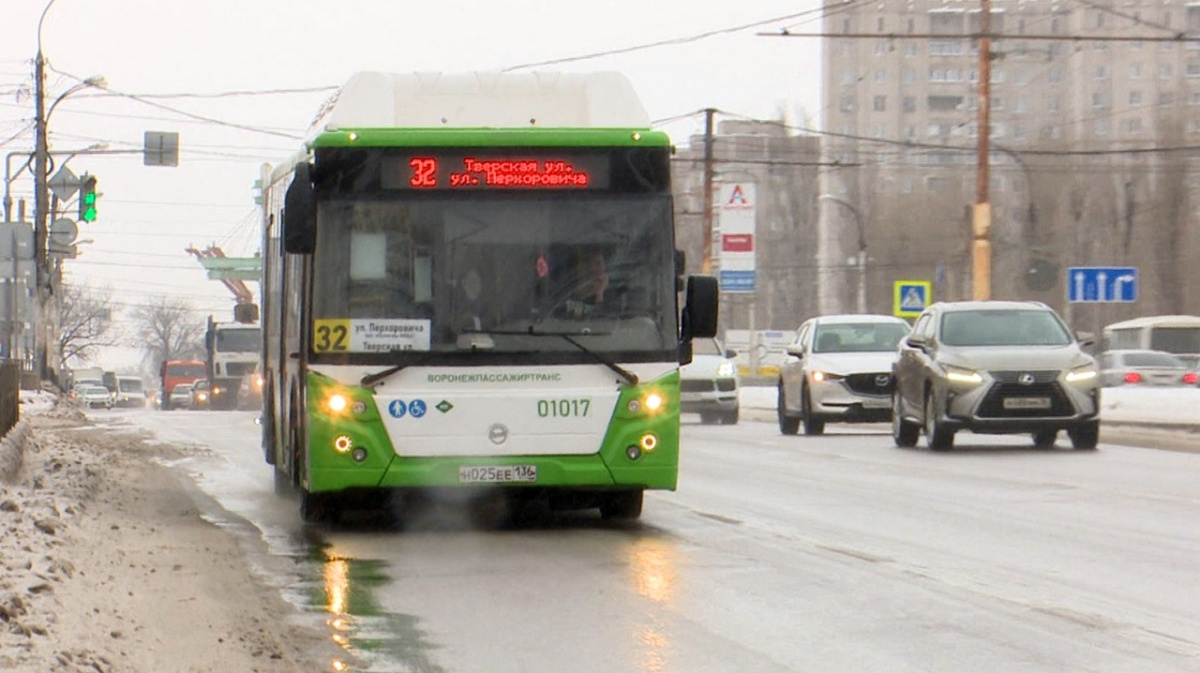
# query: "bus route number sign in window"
[432,171]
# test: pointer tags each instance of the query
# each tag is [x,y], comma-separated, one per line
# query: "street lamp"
[862,249]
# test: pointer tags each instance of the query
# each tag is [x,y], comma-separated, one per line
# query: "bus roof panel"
[487,100]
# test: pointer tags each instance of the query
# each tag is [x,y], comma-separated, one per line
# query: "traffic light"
[87,198]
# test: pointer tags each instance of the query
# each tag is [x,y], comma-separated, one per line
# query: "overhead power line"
[190,115]
[671,41]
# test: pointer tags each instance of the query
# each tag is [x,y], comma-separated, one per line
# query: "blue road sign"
[1115,284]
[738,281]
[910,297]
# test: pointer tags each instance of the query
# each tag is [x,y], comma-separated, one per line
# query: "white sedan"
[94,396]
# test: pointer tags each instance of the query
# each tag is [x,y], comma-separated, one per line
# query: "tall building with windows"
[1092,143]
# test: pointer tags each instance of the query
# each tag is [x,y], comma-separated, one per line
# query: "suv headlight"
[819,376]
[961,375]
[726,370]
[1082,374]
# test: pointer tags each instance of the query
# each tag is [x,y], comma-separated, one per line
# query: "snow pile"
[42,489]
[1128,404]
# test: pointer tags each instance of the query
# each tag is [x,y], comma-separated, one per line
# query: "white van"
[130,392]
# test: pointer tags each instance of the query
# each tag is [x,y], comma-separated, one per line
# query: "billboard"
[736,212]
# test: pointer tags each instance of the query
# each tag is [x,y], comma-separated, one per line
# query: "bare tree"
[168,329]
[85,319]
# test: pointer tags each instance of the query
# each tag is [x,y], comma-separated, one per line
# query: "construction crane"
[232,272]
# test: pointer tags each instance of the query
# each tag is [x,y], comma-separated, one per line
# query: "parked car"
[181,396]
[1000,367]
[1144,368]
[93,396]
[202,395]
[838,370]
[708,385]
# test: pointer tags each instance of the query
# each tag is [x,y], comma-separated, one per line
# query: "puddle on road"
[343,590]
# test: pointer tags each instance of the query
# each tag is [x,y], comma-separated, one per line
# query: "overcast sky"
[199,57]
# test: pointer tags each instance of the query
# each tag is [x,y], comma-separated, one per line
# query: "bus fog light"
[360,408]
[342,444]
[648,442]
[360,454]
[633,452]
[337,403]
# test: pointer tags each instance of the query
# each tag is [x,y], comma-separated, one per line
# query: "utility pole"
[981,248]
[41,193]
[706,264]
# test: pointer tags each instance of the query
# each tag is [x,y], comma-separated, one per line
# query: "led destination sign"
[460,171]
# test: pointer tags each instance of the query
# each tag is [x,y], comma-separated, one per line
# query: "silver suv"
[998,367]
[838,370]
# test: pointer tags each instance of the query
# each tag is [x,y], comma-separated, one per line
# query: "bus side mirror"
[300,213]
[699,318]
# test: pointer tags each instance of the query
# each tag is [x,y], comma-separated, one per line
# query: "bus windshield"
[489,272]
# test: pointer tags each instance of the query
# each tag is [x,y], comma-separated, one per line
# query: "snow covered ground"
[1157,406]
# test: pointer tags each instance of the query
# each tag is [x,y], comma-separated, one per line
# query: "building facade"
[782,167]
[1093,147]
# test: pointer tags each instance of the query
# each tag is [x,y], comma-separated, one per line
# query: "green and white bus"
[470,283]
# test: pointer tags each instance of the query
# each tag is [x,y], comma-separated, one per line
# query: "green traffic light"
[87,200]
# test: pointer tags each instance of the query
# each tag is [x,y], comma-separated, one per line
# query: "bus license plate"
[496,474]
[1027,403]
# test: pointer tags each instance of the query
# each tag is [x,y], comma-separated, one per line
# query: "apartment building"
[1089,138]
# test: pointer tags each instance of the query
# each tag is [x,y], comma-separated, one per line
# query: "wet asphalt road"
[838,553]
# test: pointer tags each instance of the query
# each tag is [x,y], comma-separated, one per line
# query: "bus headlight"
[653,402]
[337,403]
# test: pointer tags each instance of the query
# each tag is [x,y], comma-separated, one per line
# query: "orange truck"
[178,372]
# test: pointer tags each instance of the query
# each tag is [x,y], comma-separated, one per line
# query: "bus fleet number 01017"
[563,408]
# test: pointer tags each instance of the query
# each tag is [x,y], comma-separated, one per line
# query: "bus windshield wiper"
[629,376]
[372,380]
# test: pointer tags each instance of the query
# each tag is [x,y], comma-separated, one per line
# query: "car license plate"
[1027,403]
[496,474]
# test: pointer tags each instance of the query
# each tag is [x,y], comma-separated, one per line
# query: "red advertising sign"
[737,242]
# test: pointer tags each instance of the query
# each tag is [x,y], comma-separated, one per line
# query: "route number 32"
[331,336]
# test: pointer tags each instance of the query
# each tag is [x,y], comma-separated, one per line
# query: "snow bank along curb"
[1173,409]
[12,448]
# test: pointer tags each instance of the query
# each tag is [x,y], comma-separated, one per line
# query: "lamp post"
[861,260]
[41,162]
[41,194]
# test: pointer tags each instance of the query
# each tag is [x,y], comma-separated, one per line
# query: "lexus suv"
[996,367]
[838,370]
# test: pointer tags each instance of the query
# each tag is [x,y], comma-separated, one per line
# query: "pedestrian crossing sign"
[910,297]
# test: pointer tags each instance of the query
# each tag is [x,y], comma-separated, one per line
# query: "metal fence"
[10,395]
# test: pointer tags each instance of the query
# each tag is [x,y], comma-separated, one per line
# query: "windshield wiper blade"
[629,376]
[372,380]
